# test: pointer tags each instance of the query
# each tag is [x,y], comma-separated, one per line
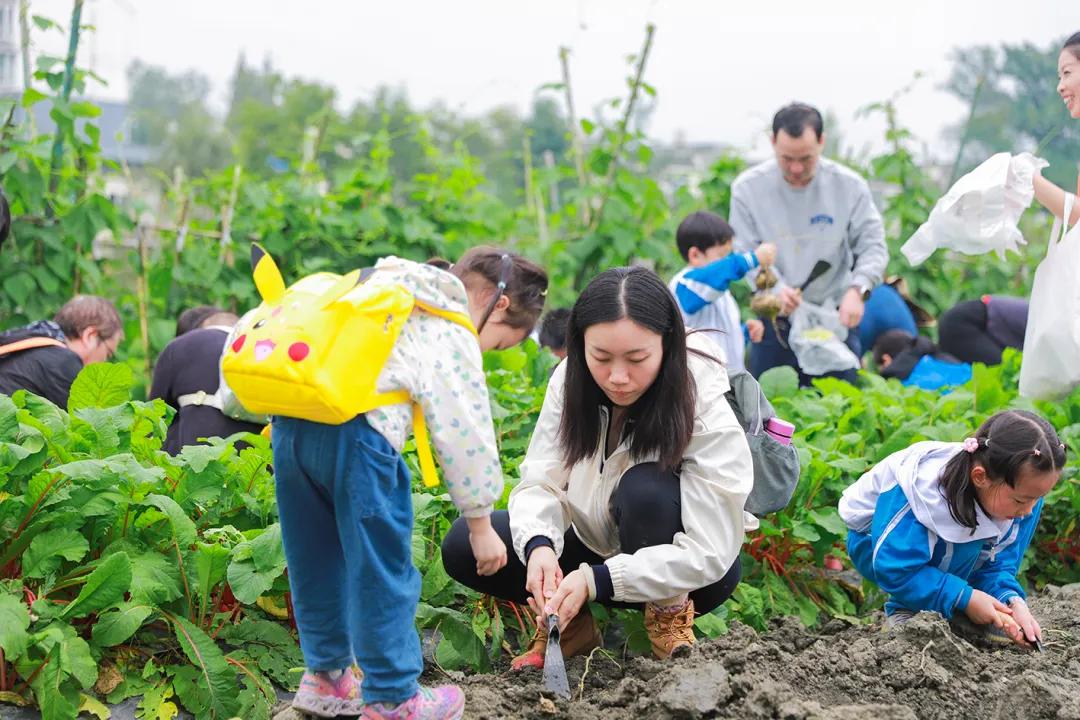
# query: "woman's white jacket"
[715,478]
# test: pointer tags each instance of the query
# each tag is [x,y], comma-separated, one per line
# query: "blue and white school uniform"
[902,536]
[706,303]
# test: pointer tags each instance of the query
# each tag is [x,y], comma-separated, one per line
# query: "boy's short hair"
[192,318]
[891,343]
[553,328]
[702,230]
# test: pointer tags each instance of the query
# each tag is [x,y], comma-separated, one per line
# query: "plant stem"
[24,41]
[635,87]
[526,161]
[26,683]
[183,576]
[65,95]
[967,129]
[226,222]
[142,291]
[577,144]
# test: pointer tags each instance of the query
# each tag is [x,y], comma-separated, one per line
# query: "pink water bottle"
[781,430]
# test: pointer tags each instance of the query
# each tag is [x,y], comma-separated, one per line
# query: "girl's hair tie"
[971,444]
[1037,452]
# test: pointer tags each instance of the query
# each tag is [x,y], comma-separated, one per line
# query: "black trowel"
[554,667]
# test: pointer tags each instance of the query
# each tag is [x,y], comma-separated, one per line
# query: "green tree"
[1013,106]
[169,114]
[270,119]
[550,131]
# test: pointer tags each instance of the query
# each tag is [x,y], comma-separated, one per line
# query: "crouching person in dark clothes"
[187,376]
[633,487]
[44,357]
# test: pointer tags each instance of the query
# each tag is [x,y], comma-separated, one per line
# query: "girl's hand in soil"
[1027,622]
[542,577]
[487,547]
[983,609]
[571,596]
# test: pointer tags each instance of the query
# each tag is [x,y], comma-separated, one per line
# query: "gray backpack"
[776,466]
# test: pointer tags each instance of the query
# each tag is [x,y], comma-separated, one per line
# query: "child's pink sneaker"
[320,696]
[441,703]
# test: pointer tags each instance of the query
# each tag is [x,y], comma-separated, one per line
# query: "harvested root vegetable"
[766,278]
[766,306]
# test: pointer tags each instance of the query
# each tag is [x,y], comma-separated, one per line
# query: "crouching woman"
[633,486]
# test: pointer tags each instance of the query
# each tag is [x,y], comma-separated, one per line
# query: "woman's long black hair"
[1007,442]
[663,417]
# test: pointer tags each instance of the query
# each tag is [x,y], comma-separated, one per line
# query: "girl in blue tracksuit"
[943,526]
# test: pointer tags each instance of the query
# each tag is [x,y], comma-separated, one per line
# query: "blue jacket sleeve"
[901,562]
[701,286]
[996,575]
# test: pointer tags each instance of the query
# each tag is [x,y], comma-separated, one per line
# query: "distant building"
[683,164]
[9,48]
[114,122]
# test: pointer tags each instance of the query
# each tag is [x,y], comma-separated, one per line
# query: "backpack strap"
[200,398]
[455,317]
[29,344]
[423,447]
[420,431]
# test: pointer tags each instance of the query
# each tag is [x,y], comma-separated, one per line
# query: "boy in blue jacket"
[944,526]
[701,288]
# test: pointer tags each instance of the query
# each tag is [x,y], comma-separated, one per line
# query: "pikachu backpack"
[315,350]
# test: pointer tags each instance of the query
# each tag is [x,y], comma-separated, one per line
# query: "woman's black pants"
[647,509]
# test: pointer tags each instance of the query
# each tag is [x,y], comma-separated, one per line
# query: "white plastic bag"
[980,212]
[817,339]
[1051,365]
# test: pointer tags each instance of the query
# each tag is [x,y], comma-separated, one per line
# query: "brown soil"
[835,672]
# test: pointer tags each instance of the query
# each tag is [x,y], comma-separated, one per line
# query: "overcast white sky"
[721,68]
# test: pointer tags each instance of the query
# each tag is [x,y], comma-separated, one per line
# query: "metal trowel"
[554,667]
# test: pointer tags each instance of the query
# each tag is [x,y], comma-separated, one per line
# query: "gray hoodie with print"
[833,219]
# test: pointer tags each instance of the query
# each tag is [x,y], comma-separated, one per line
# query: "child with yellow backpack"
[346,365]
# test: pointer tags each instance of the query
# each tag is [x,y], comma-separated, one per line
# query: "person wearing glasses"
[345,493]
[45,356]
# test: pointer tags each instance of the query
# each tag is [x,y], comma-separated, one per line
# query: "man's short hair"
[795,118]
[223,318]
[702,230]
[553,328]
[88,311]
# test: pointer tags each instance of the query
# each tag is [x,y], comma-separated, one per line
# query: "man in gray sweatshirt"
[830,240]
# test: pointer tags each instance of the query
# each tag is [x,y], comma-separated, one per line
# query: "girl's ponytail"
[1003,445]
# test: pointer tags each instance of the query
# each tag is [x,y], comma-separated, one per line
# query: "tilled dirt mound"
[836,672]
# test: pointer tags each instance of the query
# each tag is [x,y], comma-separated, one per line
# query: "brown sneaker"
[669,631]
[578,638]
